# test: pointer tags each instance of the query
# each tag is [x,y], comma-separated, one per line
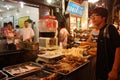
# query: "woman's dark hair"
[10,23]
[62,24]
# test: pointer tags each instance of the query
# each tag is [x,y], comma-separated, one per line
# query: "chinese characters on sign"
[74,8]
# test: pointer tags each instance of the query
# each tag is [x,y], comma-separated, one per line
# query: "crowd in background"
[17,34]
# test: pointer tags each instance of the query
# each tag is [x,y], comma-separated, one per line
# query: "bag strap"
[106,35]
[106,32]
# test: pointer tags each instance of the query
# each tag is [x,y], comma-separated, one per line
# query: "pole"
[119,20]
[63,7]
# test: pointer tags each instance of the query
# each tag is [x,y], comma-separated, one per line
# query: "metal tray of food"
[64,66]
[3,76]
[42,75]
[65,72]
[74,68]
[50,55]
[22,69]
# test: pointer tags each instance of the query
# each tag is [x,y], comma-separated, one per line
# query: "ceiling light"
[49,1]
[93,1]
[22,4]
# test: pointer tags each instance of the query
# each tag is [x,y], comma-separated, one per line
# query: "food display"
[51,54]
[42,75]
[58,61]
[91,48]
[66,65]
[85,46]
[76,52]
[21,69]
[92,51]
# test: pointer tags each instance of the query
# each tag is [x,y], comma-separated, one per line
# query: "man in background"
[26,33]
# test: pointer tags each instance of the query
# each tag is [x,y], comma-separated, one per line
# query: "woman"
[63,35]
[10,35]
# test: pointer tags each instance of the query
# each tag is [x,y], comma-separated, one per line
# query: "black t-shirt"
[106,48]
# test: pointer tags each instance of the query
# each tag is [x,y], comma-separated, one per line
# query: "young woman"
[10,35]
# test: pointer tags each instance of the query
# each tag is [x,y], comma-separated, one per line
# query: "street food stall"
[50,61]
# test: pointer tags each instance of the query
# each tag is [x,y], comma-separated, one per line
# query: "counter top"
[7,52]
[12,57]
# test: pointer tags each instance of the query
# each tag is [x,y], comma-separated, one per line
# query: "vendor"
[27,33]
[63,35]
[10,35]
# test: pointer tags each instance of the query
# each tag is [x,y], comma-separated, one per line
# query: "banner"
[74,8]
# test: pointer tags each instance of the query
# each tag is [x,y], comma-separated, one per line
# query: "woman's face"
[9,26]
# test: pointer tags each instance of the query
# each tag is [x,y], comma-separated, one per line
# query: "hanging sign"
[74,8]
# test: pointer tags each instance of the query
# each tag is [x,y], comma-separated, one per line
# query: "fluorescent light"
[22,4]
[93,1]
[49,1]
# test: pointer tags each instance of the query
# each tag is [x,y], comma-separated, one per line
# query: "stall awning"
[54,3]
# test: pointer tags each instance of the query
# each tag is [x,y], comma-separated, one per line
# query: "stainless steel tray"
[22,69]
[50,55]
[40,75]
[49,59]
[69,71]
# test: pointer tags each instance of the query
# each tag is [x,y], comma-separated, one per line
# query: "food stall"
[67,66]
[50,62]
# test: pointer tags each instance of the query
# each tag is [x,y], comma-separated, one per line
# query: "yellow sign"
[21,21]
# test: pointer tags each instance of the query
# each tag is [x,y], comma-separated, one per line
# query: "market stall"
[50,61]
[73,63]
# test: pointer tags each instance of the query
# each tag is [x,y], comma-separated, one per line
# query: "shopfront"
[48,63]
